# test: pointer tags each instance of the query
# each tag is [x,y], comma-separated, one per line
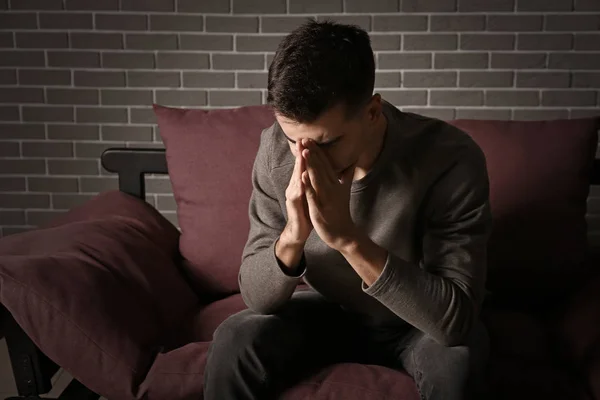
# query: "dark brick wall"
[78,76]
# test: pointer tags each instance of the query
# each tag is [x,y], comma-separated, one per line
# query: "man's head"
[320,86]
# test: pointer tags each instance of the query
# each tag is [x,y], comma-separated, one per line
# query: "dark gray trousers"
[256,356]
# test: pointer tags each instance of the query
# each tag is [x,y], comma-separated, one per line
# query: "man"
[384,214]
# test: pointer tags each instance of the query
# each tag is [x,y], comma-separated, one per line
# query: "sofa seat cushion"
[100,293]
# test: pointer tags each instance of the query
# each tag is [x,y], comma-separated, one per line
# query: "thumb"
[309,191]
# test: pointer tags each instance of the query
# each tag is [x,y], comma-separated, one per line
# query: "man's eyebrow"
[320,144]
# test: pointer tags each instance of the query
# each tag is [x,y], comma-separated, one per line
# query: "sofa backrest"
[539,174]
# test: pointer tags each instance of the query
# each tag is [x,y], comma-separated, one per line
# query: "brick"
[73,132]
[405,97]
[36,5]
[204,6]
[148,5]
[363,21]
[209,79]
[47,149]
[485,114]
[270,57]
[589,42]
[68,201]
[572,22]
[574,61]
[453,23]
[22,131]
[94,150]
[232,24]
[484,79]
[72,96]
[232,98]
[183,61]
[18,167]
[568,98]
[142,116]
[388,79]
[539,114]
[400,23]
[185,23]
[519,60]
[161,185]
[6,40]
[259,7]
[206,42]
[8,76]
[512,98]
[359,6]
[585,113]
[121,22]
[166,203]
[21,95]
[544,5]
[66,21]
[385,42]
[238,61]
[99,78]
[127,133]
[77,59]
[40,218]
[101,114]
[9,113]
[183,98]
[42,40]
[118,97]
[460,60]
[586,80]
[456,98]
[92,5]
[53,184]
[153,41]
[97,185]
[3,4]
[544,41]
[73,167]
[96,40]
[281,24]
[14,230]
[427,79]
[258,43]
[128,60]
[431,112]
[430,42]
[22,200]
[428,5]
[543,79]
[44,77]
[515,23]
[12,184]
[485,5]
[252,80]
[18,20]
[153,79]
[48,114]
[10,149]
[476,41]
[13,217]
[587,5]
[404,61]
[22,58]
[316,6]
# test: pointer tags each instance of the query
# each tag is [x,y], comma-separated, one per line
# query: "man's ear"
[374,107]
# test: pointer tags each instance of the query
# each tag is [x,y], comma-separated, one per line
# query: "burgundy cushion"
[99,293]
[539,176]
[210,156]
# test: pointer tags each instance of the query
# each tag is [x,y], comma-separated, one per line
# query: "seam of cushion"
[67,318]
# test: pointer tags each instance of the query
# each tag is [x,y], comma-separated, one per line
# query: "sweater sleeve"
[264,285]
[442,295]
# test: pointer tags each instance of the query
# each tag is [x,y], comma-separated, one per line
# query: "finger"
[323,163]
[311,194]
[313,173]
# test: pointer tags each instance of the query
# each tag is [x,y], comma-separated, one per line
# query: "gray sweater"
[425,201]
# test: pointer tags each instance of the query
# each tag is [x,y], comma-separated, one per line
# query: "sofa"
[127,303]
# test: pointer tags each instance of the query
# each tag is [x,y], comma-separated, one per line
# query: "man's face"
[341,138]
